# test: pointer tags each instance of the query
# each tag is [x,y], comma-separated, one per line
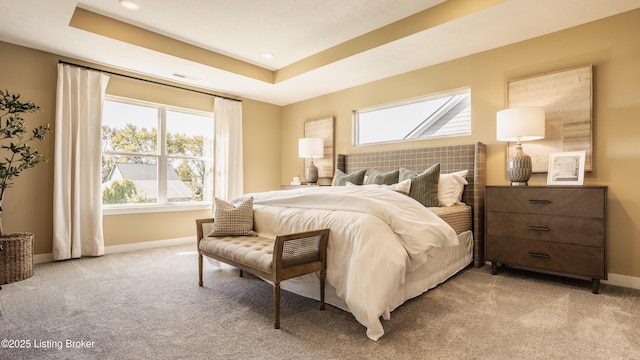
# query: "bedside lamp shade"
[520,124]
[310,148]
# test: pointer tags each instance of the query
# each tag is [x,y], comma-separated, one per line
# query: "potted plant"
[16,155]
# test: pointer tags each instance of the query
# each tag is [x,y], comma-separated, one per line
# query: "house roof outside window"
[145,178]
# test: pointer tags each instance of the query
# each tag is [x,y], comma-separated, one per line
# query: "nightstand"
[560,229]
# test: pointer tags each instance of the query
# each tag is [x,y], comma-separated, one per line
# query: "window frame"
[404,102]
[162,160]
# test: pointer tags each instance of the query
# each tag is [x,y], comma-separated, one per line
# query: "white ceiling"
[292,30]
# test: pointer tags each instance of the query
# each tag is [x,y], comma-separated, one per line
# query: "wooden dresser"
[561,229]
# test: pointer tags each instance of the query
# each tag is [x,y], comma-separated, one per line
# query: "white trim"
[623,281]
[141,209]
[42,258]
[114,249]
[161,203]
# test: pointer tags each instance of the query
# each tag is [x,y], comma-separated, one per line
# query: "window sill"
[141,209]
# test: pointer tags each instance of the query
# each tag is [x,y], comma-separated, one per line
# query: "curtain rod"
[146,80]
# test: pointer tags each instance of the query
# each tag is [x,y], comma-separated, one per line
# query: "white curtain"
[77,198]
[228,180]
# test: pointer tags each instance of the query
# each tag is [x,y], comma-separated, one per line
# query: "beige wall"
[28,205]
[611,45]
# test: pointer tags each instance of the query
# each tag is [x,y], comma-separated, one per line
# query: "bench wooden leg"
[200,269]
[323,275]
[276,305]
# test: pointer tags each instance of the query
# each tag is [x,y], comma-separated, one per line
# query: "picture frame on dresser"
[566,168]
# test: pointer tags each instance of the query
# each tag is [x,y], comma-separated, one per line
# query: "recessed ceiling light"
[268,55]
[129,4]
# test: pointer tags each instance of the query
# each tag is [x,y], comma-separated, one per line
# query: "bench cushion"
[253,251]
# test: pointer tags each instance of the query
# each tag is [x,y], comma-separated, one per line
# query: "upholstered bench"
[276,260]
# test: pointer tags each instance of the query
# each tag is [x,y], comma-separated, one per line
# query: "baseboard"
[114,249]
[623,281]
[42,258]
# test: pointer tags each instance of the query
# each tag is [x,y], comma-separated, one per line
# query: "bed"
[383,249]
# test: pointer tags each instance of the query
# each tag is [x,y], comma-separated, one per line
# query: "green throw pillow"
[424,186]
[356,178]
[379,178]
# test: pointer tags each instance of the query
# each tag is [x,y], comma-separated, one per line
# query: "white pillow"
[402,187]
[451,187]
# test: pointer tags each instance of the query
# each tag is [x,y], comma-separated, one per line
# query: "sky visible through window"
[406,120]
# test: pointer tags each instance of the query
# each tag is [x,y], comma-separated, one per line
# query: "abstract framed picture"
[567,98]
[566,168]
[322,128]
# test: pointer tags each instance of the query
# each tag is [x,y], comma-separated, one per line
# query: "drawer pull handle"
[539,228]
[540,202]
[539,255]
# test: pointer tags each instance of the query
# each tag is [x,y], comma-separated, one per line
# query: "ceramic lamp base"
[519,167]
[311,173]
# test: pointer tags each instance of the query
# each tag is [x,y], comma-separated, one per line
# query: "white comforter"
[377,235]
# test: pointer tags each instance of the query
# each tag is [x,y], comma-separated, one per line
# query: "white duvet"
[377,235]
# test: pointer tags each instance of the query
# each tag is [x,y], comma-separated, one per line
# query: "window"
[441,115]
[155,156]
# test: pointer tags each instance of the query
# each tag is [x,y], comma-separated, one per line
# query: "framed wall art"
[566,168]
[322,128]
[567,97]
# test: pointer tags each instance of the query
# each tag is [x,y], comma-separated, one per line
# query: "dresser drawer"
[573,259]
[559,229]
[587,202]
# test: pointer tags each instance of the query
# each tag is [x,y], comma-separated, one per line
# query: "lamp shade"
[310,148]
[520,124]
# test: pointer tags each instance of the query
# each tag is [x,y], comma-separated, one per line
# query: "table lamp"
[520,124]
[310,148]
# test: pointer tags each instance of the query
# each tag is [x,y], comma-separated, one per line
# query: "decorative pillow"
[377,177]
[231,220]
[356,178]
[424,186]
[451,187]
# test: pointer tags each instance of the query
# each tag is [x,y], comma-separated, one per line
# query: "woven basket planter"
[16,257]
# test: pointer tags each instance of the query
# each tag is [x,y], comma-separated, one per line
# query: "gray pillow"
[424,186]
[231,220]
[340,178]
[379,178]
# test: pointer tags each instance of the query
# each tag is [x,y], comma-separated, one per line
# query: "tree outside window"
[153,154]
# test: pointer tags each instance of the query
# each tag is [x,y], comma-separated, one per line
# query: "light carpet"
[148,305]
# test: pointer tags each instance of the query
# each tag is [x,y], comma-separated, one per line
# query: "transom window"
[154,155]
[441,115]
